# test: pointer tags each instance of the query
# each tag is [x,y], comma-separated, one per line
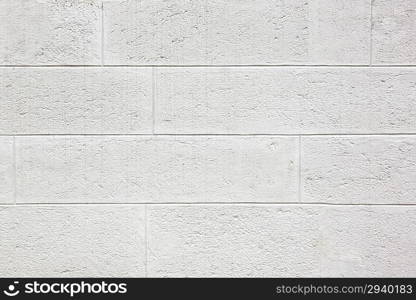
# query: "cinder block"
[237,32]
[369,241]
[281,100]
[359,169]
[233,241]
[75,100]
[156,169]
[394,32]
[71,241]
[6,170]
[49,32]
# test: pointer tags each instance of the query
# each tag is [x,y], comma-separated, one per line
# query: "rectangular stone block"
[72,241]
[359,169]
[111,169]
[281,240]
[237,32]
[282,100]
[288,32]
[50,32]
[75,100]
[394,32]
[369,241]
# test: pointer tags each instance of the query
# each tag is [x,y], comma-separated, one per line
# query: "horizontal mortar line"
[206,203]
[206,134]
[208,66]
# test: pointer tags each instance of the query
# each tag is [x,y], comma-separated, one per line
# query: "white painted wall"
[207,138]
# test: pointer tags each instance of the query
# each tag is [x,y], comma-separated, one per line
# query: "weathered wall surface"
[207,138]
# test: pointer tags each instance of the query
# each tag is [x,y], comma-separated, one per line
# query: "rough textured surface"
[237,32]
[285,100]
[282,32]
[207,138]
[233,241]
[376,169]
[151,32]
[281,240]
[47,32]
[6,170]
[368,241]
[208,240]
[62,241]
[394,32]
[156,169]
[75,100]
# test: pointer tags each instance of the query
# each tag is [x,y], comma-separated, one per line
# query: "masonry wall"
[207,138]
